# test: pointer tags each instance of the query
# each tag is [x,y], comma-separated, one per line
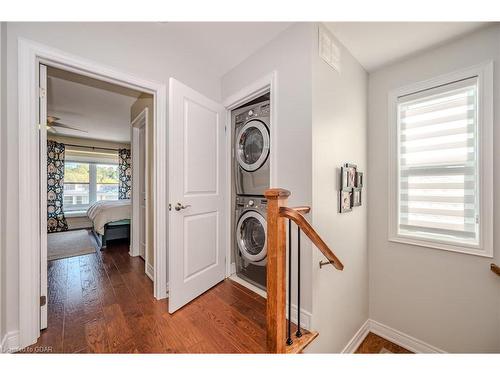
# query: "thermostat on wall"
[328,50]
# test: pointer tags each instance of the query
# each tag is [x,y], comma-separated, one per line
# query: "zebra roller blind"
[438,163]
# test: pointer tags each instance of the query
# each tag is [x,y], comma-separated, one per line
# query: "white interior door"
[42,120]
[142,191]
[196,253]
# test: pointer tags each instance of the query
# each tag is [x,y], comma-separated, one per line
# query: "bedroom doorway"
[30,55]
[96,184]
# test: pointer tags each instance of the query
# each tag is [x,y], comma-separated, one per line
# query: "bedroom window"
[441,182]
[106,182]
[86,183]
[76,186]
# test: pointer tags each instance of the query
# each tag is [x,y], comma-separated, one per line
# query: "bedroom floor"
[70,243]
[103,303]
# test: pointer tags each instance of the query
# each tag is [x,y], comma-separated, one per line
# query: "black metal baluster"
[289,340]
[298,333]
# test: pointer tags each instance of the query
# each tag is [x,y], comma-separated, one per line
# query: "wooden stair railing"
[278,330]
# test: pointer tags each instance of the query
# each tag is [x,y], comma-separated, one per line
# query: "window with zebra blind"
[442,196]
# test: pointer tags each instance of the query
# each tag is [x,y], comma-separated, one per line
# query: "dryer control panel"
[251,202]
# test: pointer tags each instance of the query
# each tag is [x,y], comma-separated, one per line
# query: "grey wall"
[289,54]
[339,132]
[136,48]
[449,300]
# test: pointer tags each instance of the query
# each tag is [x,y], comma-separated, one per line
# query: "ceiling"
[100,108]
[103,109]
[223,45]
[375,44]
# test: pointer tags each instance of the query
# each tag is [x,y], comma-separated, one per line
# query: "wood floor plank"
[120,337]
[374,344]
[96,337]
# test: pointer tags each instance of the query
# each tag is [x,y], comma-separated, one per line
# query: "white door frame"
[42,120]
[30,55]
[136,205]
[246,94]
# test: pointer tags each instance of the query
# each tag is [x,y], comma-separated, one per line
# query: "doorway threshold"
[248,285]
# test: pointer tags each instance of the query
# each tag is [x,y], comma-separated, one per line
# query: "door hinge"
[43,300]
[170,206]
[42,92]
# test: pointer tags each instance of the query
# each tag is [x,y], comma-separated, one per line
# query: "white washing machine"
[251,240]
[251,148]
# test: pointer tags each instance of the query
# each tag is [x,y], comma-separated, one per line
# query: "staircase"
[283,336]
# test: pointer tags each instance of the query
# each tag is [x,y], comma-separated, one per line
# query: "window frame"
[484,74]
[92,185]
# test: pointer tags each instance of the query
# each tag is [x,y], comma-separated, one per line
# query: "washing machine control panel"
[247,202]
[262,110]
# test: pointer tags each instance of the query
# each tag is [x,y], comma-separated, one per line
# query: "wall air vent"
[328,50]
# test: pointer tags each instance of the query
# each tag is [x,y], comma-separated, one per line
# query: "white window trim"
[484,72]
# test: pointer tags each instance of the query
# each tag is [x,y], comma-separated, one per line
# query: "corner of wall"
[339,135]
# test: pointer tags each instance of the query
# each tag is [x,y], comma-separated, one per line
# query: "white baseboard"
[150,271]
[233,268]
[358,338]
[397,337]
[10,342]
[305,316]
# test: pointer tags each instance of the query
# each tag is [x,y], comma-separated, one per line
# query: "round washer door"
[252,145]
[251,236]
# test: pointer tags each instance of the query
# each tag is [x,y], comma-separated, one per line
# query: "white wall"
[2,176]
[289,54]
[449,300]
[339,130]
[136,49]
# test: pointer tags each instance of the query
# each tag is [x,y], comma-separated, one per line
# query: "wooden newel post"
[276,270]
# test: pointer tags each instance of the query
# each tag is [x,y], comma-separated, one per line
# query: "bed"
[110,220]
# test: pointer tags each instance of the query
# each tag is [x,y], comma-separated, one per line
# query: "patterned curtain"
[125,177]
[56,222]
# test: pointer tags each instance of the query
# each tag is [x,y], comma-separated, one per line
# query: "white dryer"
[252,148]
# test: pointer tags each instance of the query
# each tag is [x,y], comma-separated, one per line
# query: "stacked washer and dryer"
[251,125]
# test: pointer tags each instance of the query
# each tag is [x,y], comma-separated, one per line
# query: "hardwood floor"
[374,344]
[103,303]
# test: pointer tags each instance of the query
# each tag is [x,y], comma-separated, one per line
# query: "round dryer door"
[252,145]
[251,235]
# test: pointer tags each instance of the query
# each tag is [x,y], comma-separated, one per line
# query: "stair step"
[300,343]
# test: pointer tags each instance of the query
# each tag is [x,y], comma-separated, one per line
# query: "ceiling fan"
[52,123]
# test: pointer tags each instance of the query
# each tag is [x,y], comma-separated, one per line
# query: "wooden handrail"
[297,218]
[277,215]
[495,269]
[302,209]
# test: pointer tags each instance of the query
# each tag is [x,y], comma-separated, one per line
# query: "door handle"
[179,206]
